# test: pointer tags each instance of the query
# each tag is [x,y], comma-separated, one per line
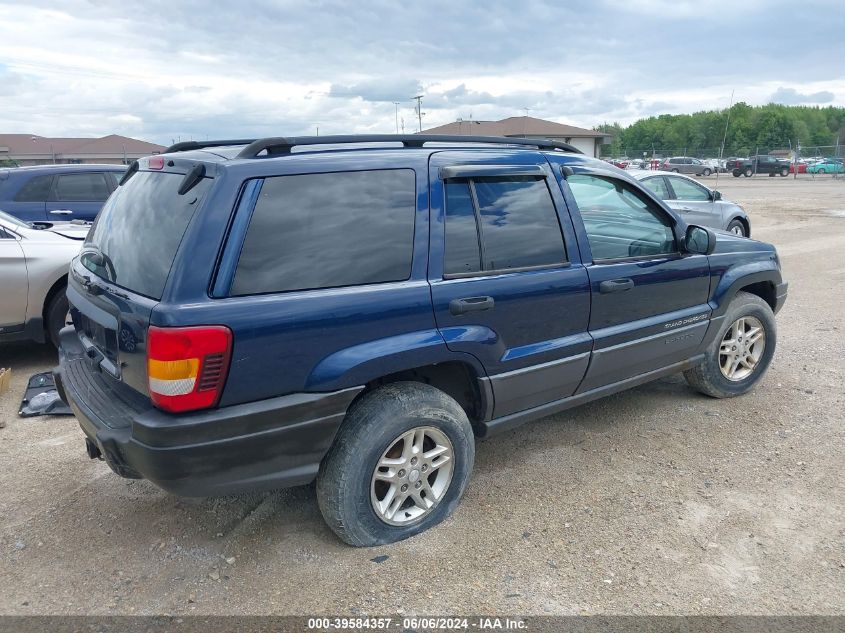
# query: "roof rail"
[186,146]
[283,145]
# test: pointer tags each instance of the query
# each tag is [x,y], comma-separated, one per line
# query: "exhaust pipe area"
[92,449]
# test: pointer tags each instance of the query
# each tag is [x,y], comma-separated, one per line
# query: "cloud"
[790,96]
[193,69]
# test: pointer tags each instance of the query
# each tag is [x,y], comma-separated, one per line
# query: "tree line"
[751,128]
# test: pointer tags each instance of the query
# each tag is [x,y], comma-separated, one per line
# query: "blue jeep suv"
[57,192]
[357,309]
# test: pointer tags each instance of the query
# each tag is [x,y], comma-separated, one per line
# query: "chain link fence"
[708,153]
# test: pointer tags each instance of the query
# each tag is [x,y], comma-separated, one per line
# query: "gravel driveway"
[654,501]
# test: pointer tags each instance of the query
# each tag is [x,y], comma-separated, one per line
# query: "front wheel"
[748,172]
[739,356]
[676,171]
[737,228]
[784,172]
[821,171]
[398,466]
[706,172]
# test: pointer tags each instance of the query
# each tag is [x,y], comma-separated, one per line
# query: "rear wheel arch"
[58,287]
[457,379]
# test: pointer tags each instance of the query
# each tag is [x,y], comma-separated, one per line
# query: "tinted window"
[82,187]
[620,222]
[519,225]
[139,230]
[462,252]
[686,190]
[327,230]
[35,190]
[658,186]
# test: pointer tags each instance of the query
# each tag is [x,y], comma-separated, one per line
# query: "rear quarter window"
[315,231]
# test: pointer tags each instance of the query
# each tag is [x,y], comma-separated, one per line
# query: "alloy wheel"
[412,476]
[742,348]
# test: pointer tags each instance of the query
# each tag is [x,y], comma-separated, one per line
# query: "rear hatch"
[123,266]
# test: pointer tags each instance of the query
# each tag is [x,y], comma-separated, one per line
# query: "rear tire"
[354,483]
[56,316]
[821,171]
[710,377]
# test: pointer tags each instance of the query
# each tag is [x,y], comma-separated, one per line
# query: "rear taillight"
[187,366]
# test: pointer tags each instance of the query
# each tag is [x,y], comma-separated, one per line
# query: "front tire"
[737,228]
[784,172]
[821,171]
[748,172]
[706,172]
[57,316]
[398,466]
[741,353]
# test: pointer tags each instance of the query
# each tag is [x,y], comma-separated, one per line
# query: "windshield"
[13,220]
[135,237]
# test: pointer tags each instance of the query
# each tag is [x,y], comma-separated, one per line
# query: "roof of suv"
[248,149]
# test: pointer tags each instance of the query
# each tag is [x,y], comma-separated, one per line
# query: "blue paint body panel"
[551,334]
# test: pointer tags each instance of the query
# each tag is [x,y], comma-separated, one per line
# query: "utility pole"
[419,109]
[396,105]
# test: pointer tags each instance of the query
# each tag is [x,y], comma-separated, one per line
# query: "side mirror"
[699,240]
[717,195]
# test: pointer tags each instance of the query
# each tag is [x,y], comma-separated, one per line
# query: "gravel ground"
[654,501]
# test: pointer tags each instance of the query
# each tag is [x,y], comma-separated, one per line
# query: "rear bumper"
[781,291]
[261,445]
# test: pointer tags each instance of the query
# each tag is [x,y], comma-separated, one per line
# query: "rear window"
[329,230]
[133,241]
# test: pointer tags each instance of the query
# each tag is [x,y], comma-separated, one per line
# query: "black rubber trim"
[267,444]
[508,422]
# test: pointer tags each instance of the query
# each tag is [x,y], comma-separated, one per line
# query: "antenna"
[419,109]
[724,140]
[396,105]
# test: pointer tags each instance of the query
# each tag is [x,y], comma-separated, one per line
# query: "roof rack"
[282,145]
[186,146]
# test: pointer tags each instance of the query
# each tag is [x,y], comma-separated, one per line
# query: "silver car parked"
[695,203]
[34,261]
[686,165]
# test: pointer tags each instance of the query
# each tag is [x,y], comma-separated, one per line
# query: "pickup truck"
[758,165]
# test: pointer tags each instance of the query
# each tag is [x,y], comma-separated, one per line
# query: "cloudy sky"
[196,69]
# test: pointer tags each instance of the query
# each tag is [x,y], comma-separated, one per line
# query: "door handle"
[61,212]
[686,209]
[616,285]
[470,304]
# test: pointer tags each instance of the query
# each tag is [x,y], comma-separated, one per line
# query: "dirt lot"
[657,500]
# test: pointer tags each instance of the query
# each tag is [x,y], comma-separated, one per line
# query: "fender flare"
[737,278]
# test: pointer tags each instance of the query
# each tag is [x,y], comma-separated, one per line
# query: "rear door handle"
[616,285]
[61,212]
[470,304]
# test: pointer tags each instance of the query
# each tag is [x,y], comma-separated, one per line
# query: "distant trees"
[766,128]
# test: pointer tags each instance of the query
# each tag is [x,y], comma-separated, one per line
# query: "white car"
[34,262]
